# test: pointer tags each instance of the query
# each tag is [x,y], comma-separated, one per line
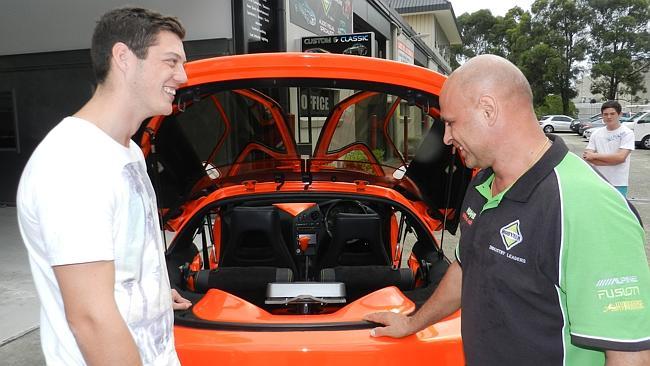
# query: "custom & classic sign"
[360,44]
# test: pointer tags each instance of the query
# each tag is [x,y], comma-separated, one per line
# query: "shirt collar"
[526,184]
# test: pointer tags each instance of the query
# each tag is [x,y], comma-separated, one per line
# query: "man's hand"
[179,302]
[588,155]
[397,325]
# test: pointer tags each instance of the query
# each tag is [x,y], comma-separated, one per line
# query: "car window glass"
[224,125]
[384,124]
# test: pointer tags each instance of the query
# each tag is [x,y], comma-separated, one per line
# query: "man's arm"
[88,296]
[606,159]
[444,301]
[616,358]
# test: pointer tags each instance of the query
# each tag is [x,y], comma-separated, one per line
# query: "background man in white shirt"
[609,147]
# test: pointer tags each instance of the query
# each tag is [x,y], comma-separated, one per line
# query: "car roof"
[305,65]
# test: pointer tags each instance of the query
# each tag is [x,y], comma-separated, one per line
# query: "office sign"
[316,102]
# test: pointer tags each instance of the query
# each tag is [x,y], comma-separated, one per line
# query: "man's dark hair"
[135,27]
[611,104]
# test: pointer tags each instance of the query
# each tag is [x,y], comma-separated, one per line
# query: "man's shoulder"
[626,130]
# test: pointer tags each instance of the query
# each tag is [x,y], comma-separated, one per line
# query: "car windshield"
[636,115]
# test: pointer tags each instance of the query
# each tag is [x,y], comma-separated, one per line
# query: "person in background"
[609,148]
[544,273]
[87,211]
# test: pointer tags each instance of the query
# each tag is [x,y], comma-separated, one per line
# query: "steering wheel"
[343,205]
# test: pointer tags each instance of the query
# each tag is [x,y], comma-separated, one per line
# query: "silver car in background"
[555,122]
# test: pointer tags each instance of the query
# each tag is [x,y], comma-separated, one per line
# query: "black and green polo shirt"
[554,269]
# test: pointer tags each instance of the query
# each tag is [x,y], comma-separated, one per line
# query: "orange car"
[300,192]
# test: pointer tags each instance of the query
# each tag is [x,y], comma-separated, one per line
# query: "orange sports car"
[298,193]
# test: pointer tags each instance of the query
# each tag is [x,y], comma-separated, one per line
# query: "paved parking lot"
[19,339]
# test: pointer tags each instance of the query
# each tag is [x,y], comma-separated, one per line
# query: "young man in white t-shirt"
[87,211]
[609,147]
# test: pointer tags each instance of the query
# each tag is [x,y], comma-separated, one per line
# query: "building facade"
[46,74]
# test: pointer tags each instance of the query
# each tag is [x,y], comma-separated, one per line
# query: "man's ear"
[121,56]
[489,109]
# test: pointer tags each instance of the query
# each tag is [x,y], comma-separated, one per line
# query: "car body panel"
[318,347]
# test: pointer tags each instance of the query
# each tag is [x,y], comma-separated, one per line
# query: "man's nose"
[180,76]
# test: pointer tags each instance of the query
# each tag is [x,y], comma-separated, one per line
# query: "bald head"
[480,103]
[491,75]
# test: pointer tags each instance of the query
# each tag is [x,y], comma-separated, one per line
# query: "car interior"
[305,255]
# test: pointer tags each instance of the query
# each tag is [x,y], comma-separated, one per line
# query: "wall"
[49,86]
[44,26]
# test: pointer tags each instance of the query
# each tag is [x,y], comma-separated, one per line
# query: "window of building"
[8,122]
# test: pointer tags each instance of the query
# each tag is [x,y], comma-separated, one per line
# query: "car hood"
[305,116]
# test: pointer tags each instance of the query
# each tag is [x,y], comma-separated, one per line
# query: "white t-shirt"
[607,142]
[83,197]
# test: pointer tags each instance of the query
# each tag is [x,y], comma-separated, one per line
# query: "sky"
[497,7]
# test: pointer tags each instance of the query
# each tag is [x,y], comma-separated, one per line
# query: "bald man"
[545,273]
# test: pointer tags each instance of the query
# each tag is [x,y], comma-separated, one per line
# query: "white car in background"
[555,122]
[640,124]
[589,131]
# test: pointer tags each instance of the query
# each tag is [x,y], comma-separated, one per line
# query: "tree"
[478,33]
[562,25]
[552,104]
[620,46]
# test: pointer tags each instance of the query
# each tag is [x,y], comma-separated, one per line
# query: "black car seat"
[357,240]
[359,258]
[255,239]
[254,254]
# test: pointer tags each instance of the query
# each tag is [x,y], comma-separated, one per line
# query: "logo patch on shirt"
[468,216]
[510,235]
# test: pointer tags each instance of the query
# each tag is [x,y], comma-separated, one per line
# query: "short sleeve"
[606,277]
[627,141]
[75,213]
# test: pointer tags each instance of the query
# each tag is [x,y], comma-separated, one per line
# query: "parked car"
[283,252]
[554,123]
[587,133]
[590,124]
[640,124]
[575,125]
